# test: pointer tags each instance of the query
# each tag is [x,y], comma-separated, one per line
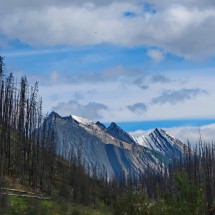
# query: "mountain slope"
[160,141]
[111,149]
[98,149]
[115,131]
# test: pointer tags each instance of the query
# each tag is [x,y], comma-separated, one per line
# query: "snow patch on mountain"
[159,140]
[193,134]
[81,120]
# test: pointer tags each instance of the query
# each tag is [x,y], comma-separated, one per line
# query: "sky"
[123,61]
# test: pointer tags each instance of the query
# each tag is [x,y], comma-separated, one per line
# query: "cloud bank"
[184,28]
[90,111]
[176,96]
[138,107]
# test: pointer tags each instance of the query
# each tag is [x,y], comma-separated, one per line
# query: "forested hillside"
[32,173]
[27,149]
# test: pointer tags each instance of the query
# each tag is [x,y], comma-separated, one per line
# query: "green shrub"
[186,199]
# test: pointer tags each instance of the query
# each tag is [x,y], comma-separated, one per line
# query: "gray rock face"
[102,126]
[115,131]
[160,141]
[113,153]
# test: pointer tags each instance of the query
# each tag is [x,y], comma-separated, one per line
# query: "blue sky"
[123,61]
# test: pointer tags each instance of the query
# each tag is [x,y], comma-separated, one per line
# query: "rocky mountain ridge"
[112,150]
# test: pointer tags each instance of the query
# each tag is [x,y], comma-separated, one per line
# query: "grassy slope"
[19,205]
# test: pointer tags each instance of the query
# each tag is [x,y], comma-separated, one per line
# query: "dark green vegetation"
[46,183]
[27,154]
[187,198]
[18,205]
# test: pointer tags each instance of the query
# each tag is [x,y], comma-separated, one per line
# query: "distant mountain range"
[111,150]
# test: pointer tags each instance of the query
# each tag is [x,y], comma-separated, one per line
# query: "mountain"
[115,131]
[160,141]
[112,150]
[102,126]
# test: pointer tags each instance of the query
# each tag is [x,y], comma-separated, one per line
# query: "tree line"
[28,148]
[23,147]
[28,155]
[185,186]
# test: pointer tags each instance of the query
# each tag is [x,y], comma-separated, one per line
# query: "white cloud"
[138,108]
[177,96]
[119,74]
[160,78]
[92,110]
[188,3]
[184,28]
[118,95]
[156,54]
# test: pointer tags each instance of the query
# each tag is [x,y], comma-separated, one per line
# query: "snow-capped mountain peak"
[82,120]
[113,147]
[159,140]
